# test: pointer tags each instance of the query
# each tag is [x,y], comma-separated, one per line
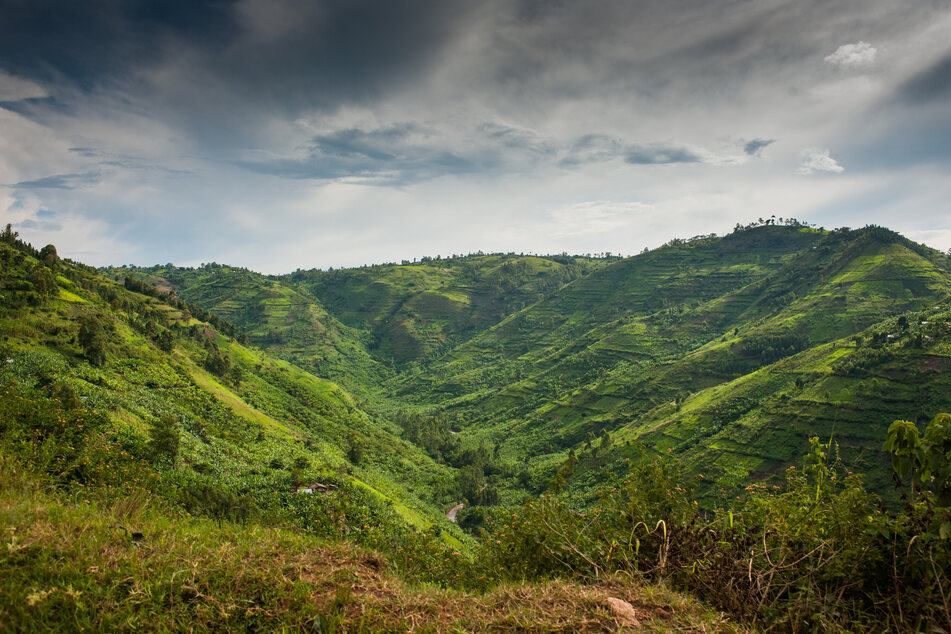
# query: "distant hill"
[362,325]
[544,355]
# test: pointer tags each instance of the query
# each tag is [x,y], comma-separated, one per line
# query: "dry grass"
[75,566]
[555,606]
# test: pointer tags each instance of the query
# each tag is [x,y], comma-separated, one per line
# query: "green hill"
[539,356]
[247,423]
[555,376]
[607,424]
[287,321]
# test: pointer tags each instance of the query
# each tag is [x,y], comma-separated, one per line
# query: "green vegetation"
[819,553]
[599,426]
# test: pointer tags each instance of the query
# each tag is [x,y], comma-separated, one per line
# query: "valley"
[706,347]
[492,419]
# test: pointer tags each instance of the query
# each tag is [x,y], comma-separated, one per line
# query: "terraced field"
[705,348]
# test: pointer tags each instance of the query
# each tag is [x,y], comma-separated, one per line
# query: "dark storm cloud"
[754,147]
[489,99]
[97,41]
[321,55]
[214,65]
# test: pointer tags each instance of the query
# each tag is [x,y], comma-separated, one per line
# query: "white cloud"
[13,88]
[527,109]
[813,160]
[597,217]
[853,55]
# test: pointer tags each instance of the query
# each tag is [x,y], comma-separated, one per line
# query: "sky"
[285,134]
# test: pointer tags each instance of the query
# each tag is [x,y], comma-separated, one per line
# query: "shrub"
[819,553]
[164,438]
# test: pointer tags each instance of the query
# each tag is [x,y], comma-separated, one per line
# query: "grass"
[728,353]
[206,382]
[68,563]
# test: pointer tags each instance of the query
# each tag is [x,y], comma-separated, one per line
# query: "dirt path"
[452,512]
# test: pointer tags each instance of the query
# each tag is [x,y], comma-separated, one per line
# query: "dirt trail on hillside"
[452,512]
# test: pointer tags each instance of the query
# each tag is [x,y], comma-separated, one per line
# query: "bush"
[218,502]
[44,283]
[820,553]
[164,438]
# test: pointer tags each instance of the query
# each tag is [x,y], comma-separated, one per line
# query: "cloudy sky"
[284,134]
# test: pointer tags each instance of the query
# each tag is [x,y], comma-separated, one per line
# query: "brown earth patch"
[935,363]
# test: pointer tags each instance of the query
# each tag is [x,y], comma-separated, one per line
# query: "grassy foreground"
[90,560]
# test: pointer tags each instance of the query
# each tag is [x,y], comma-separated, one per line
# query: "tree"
[48,256]
[355,453]
[217,363]
[469,481]
[298,477]
[8,235]
[164,438]
[926,460]
[92,339]
[43,282]
[236,375]
[165,341]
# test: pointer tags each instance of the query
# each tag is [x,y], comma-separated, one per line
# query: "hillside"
[287,321]
[540,357]
[692,417]
[360,326]
[146,468]
[605,379]
[71,567]
[247,426]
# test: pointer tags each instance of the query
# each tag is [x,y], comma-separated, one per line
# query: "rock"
[624,612]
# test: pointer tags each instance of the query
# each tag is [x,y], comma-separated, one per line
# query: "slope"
[414,311]
[848,282]
[599,320]
[246,425]
[361,326]
[66,566]
[753,428]
[286,321]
